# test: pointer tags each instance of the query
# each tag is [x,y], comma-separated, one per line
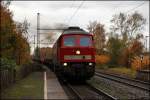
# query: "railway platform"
[52,87]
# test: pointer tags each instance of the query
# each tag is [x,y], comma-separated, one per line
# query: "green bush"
[7,64]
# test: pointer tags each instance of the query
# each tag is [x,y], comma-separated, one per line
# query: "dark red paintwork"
[63,50]
[76,68]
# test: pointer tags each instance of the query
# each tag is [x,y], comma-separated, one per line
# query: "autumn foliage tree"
[7,31]
[102,59]
[114,48]
[130,28]
[134,49]
[14,44]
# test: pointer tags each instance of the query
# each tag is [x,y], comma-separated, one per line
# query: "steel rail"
[136,86]
[130,79]
[88,87]
[101,92]
[79,97]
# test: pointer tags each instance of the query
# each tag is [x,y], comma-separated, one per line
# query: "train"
[74,54]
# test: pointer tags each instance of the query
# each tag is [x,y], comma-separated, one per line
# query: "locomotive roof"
[74,30]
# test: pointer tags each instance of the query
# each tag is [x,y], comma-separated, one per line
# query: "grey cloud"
[56,13]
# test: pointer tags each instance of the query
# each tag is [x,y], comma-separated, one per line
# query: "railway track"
[129,82]
[86,91]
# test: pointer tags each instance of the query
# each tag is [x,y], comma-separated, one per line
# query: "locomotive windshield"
[69,41]
[85,41]
[76,40]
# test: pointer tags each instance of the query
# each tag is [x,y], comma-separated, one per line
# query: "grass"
[123,70]
[100,66]
[118,70]
[31,87]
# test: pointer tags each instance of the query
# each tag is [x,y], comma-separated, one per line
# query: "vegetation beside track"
[15,50]
[119,71]
[30,87]
[127,71]
[102,63]
[11,73]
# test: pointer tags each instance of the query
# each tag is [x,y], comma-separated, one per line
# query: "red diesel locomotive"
[74,54]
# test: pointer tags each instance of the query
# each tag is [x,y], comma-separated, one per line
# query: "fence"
[10,76]
[143,75]
[7,78]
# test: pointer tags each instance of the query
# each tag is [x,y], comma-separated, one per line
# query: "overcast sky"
[75,13]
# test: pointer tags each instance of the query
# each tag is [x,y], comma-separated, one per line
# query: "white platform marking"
[45,86]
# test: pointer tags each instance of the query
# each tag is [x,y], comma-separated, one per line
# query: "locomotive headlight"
[90,64]
[65,64]
[78,52]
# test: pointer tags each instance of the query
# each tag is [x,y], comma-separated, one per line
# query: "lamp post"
[129,62]
[146,43]
[141,56]
[38,35]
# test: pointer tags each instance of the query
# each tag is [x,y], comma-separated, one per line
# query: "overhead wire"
[65,20]
[136,7]
[76,11]
[72,3]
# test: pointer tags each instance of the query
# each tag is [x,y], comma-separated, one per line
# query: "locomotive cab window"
[85,41]
[69,41]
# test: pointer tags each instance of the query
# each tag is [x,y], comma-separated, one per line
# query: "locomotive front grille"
[77,57]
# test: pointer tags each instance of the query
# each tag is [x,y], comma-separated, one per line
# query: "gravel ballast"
[118,90]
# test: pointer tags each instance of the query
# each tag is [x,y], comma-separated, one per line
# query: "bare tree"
[119,25]
[127,25]
[135,24]
[130,27]
[97,29]
[23,28]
